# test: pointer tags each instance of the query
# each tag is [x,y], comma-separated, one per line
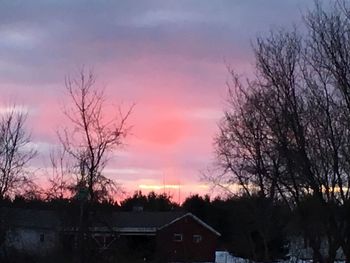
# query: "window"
[42,238]
[197,238]
[177,237]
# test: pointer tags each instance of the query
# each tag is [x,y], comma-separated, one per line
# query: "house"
[31,231]
[152,236]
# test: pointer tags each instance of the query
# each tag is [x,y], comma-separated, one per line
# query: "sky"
[169,58]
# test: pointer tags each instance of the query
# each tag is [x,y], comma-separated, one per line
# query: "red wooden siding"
[187,250]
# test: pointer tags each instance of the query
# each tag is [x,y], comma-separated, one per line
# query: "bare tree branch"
[91,136]
[15,152]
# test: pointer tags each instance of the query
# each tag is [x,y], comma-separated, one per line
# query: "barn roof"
[196,219]
[31,218]
[124,222]
[148,222]
[144,219]
[134,222]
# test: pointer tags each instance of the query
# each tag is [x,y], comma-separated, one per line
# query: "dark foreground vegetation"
[252,227]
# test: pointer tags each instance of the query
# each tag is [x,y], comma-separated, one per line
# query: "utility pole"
[82,197]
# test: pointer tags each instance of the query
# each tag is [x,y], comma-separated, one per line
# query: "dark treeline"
[251,227]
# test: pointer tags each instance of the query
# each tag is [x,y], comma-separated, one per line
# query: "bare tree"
[286,133]
[89,140]
[91,137]
[60,175]
[15,152]
[329,57]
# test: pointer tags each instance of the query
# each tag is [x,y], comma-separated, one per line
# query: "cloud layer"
[168,57]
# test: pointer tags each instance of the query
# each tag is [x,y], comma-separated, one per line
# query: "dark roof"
[124,221]
[143,219]
[18,217]
[196,219]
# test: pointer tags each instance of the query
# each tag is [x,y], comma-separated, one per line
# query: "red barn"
[163,236]
[186,239]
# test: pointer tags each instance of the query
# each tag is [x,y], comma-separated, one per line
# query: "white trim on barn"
[196,219]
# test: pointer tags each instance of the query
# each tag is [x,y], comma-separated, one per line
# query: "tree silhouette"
[285,134]
[92,136]
[15,152]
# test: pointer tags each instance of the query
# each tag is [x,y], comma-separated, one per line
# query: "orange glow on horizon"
[159,187]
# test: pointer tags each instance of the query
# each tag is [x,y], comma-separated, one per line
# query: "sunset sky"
[167,57]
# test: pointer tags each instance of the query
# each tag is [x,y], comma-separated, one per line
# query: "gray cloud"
[38,39]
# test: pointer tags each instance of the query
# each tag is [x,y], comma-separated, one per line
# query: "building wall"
[187,250]
[33,240]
